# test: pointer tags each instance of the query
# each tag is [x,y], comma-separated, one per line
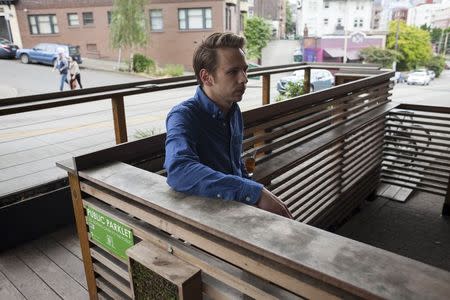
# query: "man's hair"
[205,56]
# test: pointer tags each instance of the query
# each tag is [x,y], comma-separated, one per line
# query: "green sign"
[112,235]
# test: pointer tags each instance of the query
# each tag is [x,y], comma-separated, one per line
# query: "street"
[31,143]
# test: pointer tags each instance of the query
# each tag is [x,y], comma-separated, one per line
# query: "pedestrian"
[62,66]
[205,133]
[74,71]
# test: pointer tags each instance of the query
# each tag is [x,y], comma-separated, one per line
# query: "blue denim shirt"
[203,151]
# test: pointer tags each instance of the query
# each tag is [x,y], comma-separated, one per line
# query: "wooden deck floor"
[46,268]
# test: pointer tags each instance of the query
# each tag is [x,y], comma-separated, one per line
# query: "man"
[62,66]
[204,133]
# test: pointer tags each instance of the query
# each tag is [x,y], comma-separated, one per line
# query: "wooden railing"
[417,150]
[321,153]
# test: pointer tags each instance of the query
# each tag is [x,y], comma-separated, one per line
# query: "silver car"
[420,77]
[320,79]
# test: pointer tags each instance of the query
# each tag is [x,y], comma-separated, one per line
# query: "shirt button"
[213,116]
[223,124]
[247,199]
[219,195]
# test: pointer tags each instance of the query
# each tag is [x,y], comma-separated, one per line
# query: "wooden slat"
[82,234]
[20,275]
[8,290]
[68,238]
[59,281]
[120,125]
[110,290]
[208,263]
[112,263]
[68,262]
[234,254]
[134,183]
[113,279]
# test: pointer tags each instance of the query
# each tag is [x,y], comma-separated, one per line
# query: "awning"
[339,52]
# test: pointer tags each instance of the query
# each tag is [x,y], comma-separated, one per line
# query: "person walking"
[62,66]
[74,71]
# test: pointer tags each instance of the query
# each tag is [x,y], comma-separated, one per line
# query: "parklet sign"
[111,234]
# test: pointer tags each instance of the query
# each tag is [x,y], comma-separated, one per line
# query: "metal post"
[266,89]
[446,206]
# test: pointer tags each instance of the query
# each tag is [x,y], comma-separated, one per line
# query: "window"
[43,24]
[326,4]
[88,18]
[72,18]
[227,18]
[194,18]
[109,16]
[339,22]
[156,20]
[361,22]
[325,21]
[355,23]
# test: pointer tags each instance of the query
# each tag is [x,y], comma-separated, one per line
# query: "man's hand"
[270,202]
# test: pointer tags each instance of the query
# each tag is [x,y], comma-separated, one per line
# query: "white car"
[320,79]
[421,77]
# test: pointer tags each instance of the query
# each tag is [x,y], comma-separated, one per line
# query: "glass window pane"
[182,18]
[195,19]
[208,13]
[55,24]
[44,24]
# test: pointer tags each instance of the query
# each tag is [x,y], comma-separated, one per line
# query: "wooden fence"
[322,153]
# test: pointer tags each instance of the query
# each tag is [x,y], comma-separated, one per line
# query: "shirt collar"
[209,106]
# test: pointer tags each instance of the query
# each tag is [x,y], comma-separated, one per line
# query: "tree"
[257,32]
[290,24]
[437,64]
[413,44]
[384,57]
[129,28]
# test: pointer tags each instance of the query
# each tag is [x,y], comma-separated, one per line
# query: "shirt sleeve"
[185,172]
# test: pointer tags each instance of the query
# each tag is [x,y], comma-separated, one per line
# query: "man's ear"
[206,77]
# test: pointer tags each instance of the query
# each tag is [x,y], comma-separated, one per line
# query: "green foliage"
[293,89]
[384,57]
[437,64]
[173,70]
[290,24]
[143,133]
[129,28]
[141,63]
[257,32]
[413,44]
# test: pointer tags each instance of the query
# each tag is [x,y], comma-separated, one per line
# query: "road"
[31,143]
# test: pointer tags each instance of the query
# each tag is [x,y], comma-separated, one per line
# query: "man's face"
[229,81]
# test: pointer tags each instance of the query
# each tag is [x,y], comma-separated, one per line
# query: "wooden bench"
[320,153]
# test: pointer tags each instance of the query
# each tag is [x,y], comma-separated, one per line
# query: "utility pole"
[396,41]
[445,44]
[440,41]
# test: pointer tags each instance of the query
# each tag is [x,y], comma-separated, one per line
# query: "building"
[176,26]
[392,10]
[275,12]
[325,17]
[434,15]
[9,25]
[340,48]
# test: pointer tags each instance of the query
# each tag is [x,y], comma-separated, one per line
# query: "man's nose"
[243,78]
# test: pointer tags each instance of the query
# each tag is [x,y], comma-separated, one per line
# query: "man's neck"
[224,107]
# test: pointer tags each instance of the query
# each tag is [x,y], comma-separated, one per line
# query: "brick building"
[176,26]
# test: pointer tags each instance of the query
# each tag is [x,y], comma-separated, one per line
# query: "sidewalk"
[103,65]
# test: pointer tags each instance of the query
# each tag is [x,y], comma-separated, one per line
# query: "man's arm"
[185,172]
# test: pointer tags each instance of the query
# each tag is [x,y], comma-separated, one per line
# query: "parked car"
[320,79]
[47,53]
[7,49]
[431,74]
[420,77]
